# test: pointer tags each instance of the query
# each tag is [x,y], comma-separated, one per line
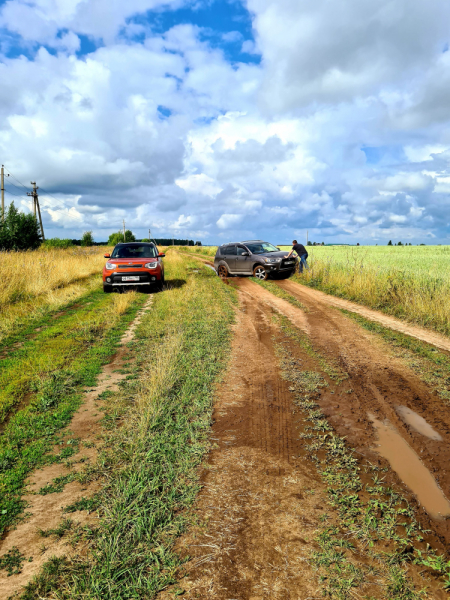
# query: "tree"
[87,239]
[198,243]
[117,238]
[19,231]
[390,243]
[399,244]
[309,243]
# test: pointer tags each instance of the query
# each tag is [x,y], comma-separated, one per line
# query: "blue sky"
[230,120]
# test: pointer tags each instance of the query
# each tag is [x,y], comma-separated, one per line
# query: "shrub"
[87,239]
[117,238]
[57,243]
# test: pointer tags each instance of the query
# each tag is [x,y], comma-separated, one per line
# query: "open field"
[243,440]
[36,282]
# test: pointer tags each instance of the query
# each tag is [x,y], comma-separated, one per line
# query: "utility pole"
[3,192]
[123,221]
[36,206]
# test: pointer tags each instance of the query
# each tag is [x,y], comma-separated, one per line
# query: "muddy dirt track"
[261,501]
[379,385]
[258,517]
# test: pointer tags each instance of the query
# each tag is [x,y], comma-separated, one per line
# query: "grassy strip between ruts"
[429,363]
[353,556]
[150,463]
[280,293]
[85,342]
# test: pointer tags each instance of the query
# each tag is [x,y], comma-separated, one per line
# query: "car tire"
[107,289]
[260,273]
[222,271]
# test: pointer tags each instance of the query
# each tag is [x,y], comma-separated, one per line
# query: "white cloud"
[329,133]
[228,221]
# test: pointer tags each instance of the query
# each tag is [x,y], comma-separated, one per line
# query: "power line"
[14,177]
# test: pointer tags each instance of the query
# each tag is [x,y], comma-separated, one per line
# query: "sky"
[228,120]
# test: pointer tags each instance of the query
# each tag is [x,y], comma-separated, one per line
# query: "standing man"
[302,255]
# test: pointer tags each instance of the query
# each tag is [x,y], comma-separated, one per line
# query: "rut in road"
[378,384]
[261,502]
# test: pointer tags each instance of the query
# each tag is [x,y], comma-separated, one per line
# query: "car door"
[230,257]
[243,263]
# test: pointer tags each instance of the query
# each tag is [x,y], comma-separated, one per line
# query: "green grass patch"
[159,432]
[86,339]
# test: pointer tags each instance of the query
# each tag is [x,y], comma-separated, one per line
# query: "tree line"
[20,231]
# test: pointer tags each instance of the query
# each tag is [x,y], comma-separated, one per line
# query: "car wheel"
[160,285]
[107,289]
[222,271]
[260,273]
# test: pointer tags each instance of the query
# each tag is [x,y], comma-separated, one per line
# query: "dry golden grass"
[38,281]
[25,275]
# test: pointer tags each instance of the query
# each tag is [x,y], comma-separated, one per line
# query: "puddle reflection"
[410,469]
[418,423]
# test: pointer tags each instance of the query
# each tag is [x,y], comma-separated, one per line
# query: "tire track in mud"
[378,383]
[45,511]
[260,504]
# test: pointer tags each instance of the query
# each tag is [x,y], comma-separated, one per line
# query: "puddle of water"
[418,423]
[410,469]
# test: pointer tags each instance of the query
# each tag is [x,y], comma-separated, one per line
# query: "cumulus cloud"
[341,128]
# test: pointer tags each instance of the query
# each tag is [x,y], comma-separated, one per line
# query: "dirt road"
[257,517]
[378,384]
[260,503]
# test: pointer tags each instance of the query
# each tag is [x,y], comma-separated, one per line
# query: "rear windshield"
[134,252]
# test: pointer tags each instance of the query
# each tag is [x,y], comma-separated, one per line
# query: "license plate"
[288,262]
[133,278]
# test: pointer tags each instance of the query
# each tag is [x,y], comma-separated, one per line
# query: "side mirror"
[245,254]
[107,255]
[161,254]
[279,249]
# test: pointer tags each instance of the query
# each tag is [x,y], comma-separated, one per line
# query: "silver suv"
[254,257]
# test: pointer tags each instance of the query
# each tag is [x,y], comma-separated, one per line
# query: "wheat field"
[412,282]
[37,281]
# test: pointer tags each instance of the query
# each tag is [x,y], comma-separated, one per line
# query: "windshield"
[261,248]
[134,252]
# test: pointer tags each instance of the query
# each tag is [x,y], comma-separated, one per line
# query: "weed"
[89,504]
[12,561]
[57,484]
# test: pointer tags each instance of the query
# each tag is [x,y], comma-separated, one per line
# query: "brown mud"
[259,508]
[46,511]
[377,383]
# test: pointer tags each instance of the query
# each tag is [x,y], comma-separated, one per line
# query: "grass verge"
[375,540]
[53,370]
[150,463]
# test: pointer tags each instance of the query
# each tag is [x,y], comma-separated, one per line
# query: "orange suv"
[133,264]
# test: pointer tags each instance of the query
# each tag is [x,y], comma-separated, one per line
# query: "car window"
[231,250]
[241,250]
[134,252]
[261,248]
